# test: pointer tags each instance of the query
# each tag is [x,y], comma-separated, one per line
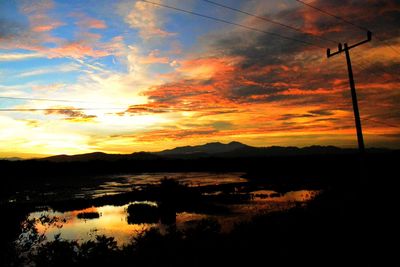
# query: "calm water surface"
[112,220]
[124,183]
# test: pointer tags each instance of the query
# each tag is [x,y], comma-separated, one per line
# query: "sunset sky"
[126,76]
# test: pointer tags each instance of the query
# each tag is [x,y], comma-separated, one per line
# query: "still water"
[113,220]
[124,183]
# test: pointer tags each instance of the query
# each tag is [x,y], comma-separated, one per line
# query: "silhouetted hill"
[203,150]
[239,150]
[11,158]
[212,150]
[285,151]
[102,157]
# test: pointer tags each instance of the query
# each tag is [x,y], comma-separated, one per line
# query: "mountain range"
[215,149]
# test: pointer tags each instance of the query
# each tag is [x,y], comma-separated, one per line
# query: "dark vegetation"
[143,213]
[350,224]
[28,174]
[88,215]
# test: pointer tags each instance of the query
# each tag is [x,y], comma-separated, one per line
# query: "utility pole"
[346,49]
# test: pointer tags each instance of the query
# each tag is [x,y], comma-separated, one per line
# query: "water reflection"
[98,186]
[291,196]
[264,201]
[123,183]
[113,220]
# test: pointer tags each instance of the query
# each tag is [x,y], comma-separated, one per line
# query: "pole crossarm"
[340,47]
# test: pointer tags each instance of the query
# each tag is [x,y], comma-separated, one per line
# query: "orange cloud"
[48,27]
[37,13]
[319,91]
[310,23]
[71,113]
[87,22]
[154,58]
[94,24]
[207,67]
[174,134]
[77,50]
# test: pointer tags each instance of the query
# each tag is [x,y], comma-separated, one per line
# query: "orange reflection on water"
[112,222]
[291,196]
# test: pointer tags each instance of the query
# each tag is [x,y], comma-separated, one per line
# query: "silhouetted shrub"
[100,252]
[142,213]
[88,215]
[56,253]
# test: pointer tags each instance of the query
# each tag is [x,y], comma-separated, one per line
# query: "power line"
[382,122]
[378,122]
[346,21]
[232,23]
[278,23]
[332,15]
[298,29]
[270,21]
[363,66]
[48,100]
[56,109]
[388,45]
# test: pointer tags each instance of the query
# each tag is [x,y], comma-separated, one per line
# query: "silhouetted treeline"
[310,164]
[20,174]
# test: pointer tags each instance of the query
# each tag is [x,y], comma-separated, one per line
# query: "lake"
[112,220]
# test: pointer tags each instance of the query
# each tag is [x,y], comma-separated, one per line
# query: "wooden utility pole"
[346,49]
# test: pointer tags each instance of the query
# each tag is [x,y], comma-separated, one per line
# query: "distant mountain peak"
[236,143]
[208,149]
[101,156]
